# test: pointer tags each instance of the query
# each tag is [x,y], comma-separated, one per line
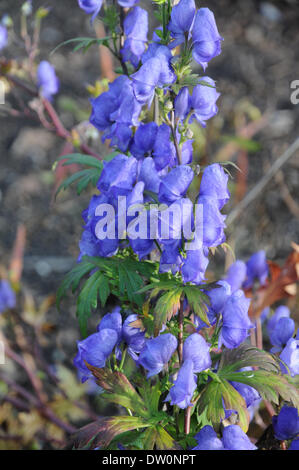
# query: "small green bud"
[27,8]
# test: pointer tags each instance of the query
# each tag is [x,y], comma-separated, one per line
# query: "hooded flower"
[234,438]
[290,356]
[91,7]
[163,148]
[281,312]
[149,175]
[286,424]
[196,263]
[210,221]
[283,331]
[7,296]
[236,275]
[133,337]
[175,184]
[135,30]
[218,298]
[181,20]
[144,140]
[207,440]
[145,81]
[206,38]
[157,352]
[235,320]
[257,269]
[118,176]
[214,184]
[203,101]
[47,80]
[94,350]
[182,391]
[198,351]
[182,103]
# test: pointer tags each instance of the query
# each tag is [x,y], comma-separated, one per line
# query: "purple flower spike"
[157,352]
[144,139]
[7,296]
[163,147]
[198,350]
[286,424]
[149,175]
[135,29]
[214,184]
[175,184]
[3,37]
[234,438]
[181,20]
[207,440]
[91,7]
[235,320]
[203,101]
[146,80]
[184,386]
[47,80]
[206,38]
[236,275]
[257,269]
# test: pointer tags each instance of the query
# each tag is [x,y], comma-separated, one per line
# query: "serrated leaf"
[83,177]
[80,159]
[72,279]
[247,356]
[82,43]
[101,432]
[88,299]
[198,302]
[166,307]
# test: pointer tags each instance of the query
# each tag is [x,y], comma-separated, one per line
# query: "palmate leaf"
[83,178]
[102,432]
[97,286]
[247,356]
[198,302]
[166,307]
[119,390]
[72,279]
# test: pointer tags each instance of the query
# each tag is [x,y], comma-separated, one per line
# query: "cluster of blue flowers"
[153,165]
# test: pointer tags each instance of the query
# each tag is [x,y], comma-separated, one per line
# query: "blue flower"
[171,258]
[115,112]
[198,351]
[163,148]
[182,103]
[234,438]
[133,336]
[127,3]
[281,312]
[218,298]
[47,80]
[145,80]
[290,356]
[3,36]
[184,386]
[112,321]
[135,29]
[210,221]
[257,269]
[149,175]
[175,184]
[294,445]
[250,394]
[7,296]
[91,7]
[158,51]
[144,140]
[283,331]
[196,263]
[181,20]
[207,440]
[118,176]
[286,424]
[235,320]
[236,275]
[94,350]
[214,184]
[206,38]
[203,101]
[157,352]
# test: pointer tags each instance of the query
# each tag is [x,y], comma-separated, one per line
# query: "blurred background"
[256,124]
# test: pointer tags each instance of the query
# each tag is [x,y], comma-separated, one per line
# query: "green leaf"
[82,43]
[78,158]
[88,298]
[198,302]
[102,432]
[247,356]
[166,307]
[119,390]
[72,280]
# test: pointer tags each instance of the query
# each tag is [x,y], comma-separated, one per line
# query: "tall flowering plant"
[174,352]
